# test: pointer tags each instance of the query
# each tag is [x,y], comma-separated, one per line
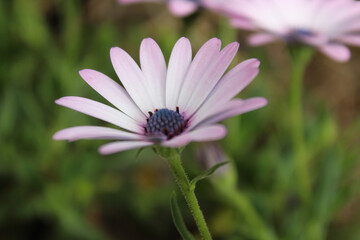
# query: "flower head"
[179,8]
[170,106]
[324,24]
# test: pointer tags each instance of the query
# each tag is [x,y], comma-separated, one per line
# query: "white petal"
[210,78]
[198,68]
[154,68]
[115,147]
[113,92]
[182,8]
[242,23]
[232,108]
[230,85]
[338,52]
[94,132]
[203,134]
[132,78]
[179,63]
[100,111]
[351,39]
[257,39]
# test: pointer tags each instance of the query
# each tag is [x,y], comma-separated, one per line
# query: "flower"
[168,106]
[180,8]
[324,24]
[211,154]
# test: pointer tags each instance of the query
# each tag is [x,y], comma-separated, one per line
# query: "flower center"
[165,121]
[295,36]
[303,32]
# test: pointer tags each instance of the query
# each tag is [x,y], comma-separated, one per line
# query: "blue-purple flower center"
[297,34]
[303,32]
[165,121]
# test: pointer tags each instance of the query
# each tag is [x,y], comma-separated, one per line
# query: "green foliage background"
[59,190]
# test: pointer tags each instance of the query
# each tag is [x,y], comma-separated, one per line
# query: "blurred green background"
[60,190]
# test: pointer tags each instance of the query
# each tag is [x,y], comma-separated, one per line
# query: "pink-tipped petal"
[247,105]
[230,85]
[100,111]
[132,78]
[182,8]
[179,63]
[242,23]
[116,147]
[137,1]
[154,68]
[113,92]
[351,40]
[338,52]
[211,77]
[230,109]
[204,134]
[93,132]
[198,68]
[257,39]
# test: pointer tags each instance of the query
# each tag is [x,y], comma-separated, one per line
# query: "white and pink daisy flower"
[180,8]
[170,106]
[324,24]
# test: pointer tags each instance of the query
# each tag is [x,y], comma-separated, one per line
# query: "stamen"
[167,122]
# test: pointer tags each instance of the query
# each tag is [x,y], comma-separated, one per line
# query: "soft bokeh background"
[59,190]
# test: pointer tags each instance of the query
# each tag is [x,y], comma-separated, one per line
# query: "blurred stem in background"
[242,204]
[173,157]
[300,57]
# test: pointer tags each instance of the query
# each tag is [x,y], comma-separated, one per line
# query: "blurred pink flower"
[170,106]
[179,8]
[324,24]
[210,154]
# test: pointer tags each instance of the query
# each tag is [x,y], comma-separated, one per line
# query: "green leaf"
[206,174]
[178,220]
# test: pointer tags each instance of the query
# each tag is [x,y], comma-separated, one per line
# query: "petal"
[100,111]
[257,39]
[242,23]
[211,77]
[115,147]
[182,8]
[204,134]
[179,63]
[154,68]
[198,68]
[113,92]
[230,109]
[229,86]
[93,132]
[337,52]
[136,1]
[350,39]
[132,78]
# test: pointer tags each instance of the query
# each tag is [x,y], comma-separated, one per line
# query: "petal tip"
[113,50]
[263,102]
[257,62]
[83,72]
[56,136]
[59,101]
[103,151]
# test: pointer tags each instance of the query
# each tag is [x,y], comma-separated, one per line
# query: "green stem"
[300,57]
[242,204]
[174,160]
